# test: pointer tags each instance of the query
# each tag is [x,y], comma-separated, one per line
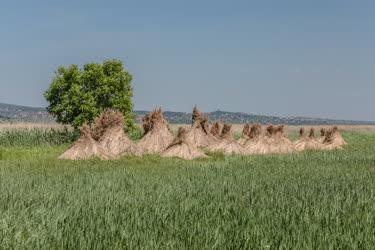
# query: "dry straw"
[199,134]
[333,139]
[108,119]
[272,141]
[157,136]
[107,140]
[181,148]
[215,130]
[309,142]
[227,144]
[245,134]
[322,137]
[255,144]
[85,147]
[109,127]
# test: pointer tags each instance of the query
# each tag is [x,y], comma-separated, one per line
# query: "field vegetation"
[314,199]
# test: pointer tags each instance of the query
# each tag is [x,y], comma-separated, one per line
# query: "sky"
[286,58]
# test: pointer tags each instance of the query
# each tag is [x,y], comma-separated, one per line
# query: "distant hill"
[16,113]
[241,118]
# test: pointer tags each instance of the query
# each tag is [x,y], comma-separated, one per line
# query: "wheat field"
[309,200]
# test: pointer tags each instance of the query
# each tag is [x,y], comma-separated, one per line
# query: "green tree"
[77,96]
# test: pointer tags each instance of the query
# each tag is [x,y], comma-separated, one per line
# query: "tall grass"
[21,137]
[36,137]
[310,200]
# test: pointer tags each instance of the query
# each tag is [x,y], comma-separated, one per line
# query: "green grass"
[47,137]
[36,137]
[311,200]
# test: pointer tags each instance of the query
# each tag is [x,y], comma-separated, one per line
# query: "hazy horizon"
[310,59]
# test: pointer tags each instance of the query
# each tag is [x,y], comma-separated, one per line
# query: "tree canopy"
[76,96]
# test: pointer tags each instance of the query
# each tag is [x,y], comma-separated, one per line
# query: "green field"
[304,201]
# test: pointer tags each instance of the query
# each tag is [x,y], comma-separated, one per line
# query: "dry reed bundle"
[255,132]
[273,141]
[270,130]
[215,130]
[245,134]
[157,135]
[181,148]
[146,123]
[279,142]
[205,125]
[322,137]
[312,133]
[108,119]
[279,130]
[301,132]
[333,139]
[226,131]
[323,132]
[199,134]
[85,147]
[227,144]
[254,145]
[196,115]
[309,142]
[113,140]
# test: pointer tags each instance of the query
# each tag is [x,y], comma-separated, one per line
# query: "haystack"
[85,147]
[196,115]
[227,144]
[255,132]
[157,136]
[309,142]
[322,136]
[245,135]
[199,134]
[109,130]
[278,142]
[273,141]
[215,130]
[333,139]
[108,119]
[181,148]
[254,144]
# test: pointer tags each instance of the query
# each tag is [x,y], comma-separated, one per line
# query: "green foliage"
[49,137]
[36,137]
[135,133]
[310,200]
[77,96]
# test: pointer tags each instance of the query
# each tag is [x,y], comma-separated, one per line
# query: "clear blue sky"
[292,57]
